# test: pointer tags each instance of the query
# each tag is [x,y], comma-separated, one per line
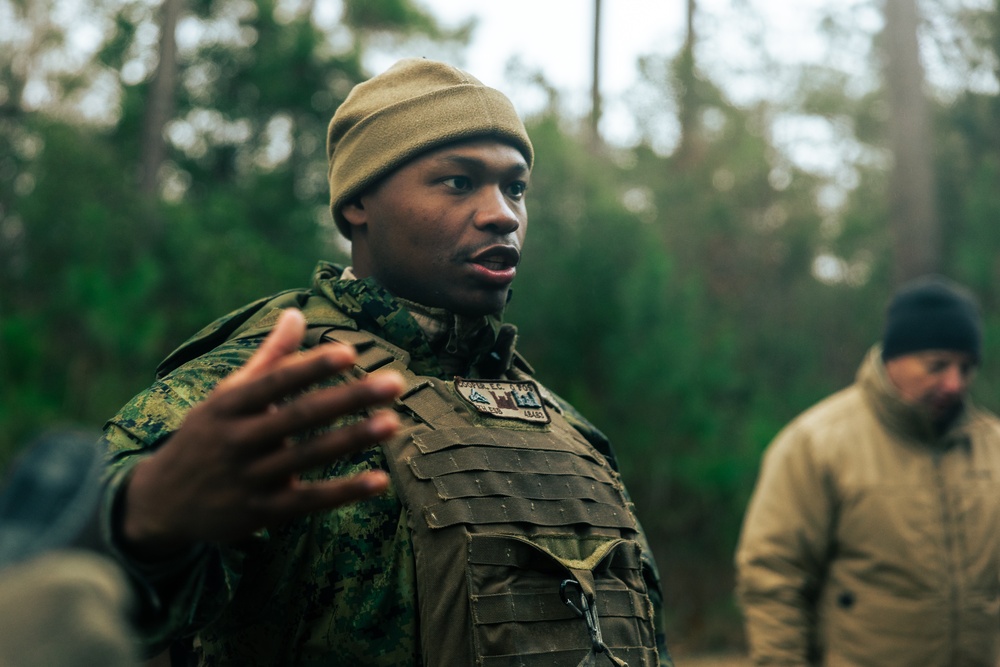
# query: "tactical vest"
[524,543]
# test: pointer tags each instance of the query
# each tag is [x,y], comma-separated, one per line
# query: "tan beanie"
[414,106]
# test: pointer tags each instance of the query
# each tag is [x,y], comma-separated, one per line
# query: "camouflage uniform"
[333,588]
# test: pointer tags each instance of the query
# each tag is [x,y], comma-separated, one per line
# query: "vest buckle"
[587,610]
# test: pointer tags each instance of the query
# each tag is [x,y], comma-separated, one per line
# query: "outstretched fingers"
[321,450]
[319,408]
[233,466]
[289,376]
[305,497]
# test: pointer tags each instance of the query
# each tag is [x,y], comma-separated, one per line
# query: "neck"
[457,340]
[459,343]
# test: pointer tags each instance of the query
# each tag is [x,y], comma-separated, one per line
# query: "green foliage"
[394,15]
[76,284]
[97,283]
[674,299]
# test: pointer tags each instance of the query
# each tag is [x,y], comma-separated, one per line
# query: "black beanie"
[931,313]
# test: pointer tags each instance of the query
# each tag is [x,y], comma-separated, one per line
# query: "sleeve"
[170,593]
[179,594]
[781,555]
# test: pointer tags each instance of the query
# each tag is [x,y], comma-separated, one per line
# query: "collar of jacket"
[457,346]
[899,416]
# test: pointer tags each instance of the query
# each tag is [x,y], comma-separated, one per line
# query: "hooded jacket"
[870,539]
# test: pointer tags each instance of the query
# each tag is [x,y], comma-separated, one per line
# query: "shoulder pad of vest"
[594,435]
[255,319]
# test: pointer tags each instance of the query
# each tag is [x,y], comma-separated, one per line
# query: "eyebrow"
[520,167]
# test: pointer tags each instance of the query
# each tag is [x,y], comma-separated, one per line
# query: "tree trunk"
[595,88]
[161,102]
[913,221]
[687,151]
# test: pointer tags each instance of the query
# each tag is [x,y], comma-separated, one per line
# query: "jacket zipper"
[951,566]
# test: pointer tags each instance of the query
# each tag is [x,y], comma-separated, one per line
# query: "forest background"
[690,296]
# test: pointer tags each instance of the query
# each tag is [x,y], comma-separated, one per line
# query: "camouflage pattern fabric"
[333,588]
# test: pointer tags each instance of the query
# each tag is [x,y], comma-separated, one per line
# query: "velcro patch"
[506,400]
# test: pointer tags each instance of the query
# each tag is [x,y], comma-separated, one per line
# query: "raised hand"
[232,467]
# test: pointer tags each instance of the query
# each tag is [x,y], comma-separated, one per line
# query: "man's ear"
[354,212]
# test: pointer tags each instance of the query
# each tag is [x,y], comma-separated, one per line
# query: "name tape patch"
[506,400]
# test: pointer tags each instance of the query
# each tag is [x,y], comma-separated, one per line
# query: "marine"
[505,535]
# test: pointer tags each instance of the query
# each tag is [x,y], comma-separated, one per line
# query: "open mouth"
[494,264]
[498,258]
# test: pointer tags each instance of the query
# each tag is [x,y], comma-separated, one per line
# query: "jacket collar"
[440,343]
[899,416]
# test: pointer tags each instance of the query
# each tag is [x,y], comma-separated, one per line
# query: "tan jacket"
[868,541]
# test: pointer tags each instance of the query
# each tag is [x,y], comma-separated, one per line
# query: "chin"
[476,312]
[944,414]
[477,309]
[476,304]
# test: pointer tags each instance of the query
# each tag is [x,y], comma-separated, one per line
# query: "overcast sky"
[556,37]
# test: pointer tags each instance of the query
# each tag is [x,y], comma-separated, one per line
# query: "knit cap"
[411,108]
[932,313]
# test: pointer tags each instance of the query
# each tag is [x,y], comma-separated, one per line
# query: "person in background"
[871,536]
[62,604]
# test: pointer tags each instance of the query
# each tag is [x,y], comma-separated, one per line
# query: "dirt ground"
[680,660]
[693,660]
[712,660]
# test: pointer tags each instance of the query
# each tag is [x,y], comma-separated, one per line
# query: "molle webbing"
[370,356]
[490,483]
[554,463]
[483,511]
[523,540]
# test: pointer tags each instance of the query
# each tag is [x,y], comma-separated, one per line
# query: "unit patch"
[507,400]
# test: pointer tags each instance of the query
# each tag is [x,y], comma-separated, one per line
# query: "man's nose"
[494,210]
[954,380]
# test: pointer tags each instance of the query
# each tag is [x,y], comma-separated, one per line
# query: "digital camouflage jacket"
[337,587]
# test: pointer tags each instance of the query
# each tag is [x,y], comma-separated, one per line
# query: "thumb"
[284,339]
